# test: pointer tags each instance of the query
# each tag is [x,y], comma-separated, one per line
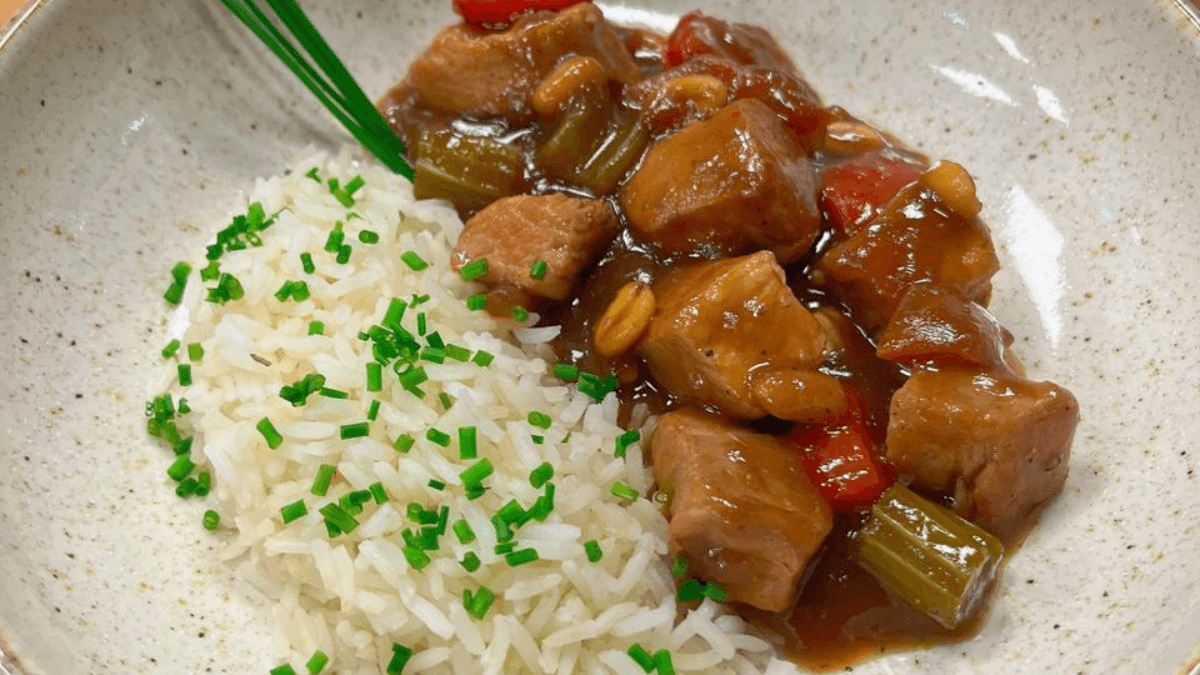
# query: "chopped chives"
[343,254]
[474,474]
[195,351]
[478,603]
[414,261]
[298,392]
[403,443]
[293,511]
[474,492]
[662,661]
[505,548]
[512,513]
[538,269]
[443,519]
[378,493]
[187,487]
[418,300]
[211,520]
[317,662]
[373,411]
[203,483]
[183,407]
[185,374]
[521,557]
[356,430]
[483,358]
[284,292]
[438,436]
[691,591]
[171,349]
[539,419]
[503,531]
[474,269]
[620,489]
[306,262]
[435,340]
[336,236]
[316,328]
[593,551]
[436,484]
[421,321]
[335,515]
[468,447]
[374,376]
[394,313]
[329,392]
[417,559]
[642,657]
[354,185]
[477,302]
[433,354]
[267,429]
[541,475]
[462,530]
[413,378]
[323,479]
[300,291]
[400,657]
[368,236]
[184,446]
[445,400]
[312,173]
[211,271]
[174,293]
[625,440]
[520,314]
[457,353]
[715,592]
[679,567]
[180,468]
[565,371]
[285,669]
[470,561]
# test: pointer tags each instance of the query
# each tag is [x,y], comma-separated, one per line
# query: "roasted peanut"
[954,186]
[705,92]
[625,319]
[581,74]
[848,137]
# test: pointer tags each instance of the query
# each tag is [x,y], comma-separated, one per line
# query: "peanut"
[580,74]
[705,92]
[625,319]
[954,186]
[848,137]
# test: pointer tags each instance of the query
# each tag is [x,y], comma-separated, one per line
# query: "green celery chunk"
[469,171]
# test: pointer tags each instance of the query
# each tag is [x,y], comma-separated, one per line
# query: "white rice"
[355,595]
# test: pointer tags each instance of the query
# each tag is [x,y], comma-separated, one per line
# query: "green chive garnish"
[195,351]
[316,328]
[356,430]
[474,269]
[625,492]
[520,314]
[541,475]
[211,520]
[662,661]
[414,261]
[592,548]
[400,657]
[338,517]
[438,436]
[323,480]
[403,443]
[478,603]
[540,420]
[715,592]
[643,658]
[285,669]
[436,484]
[477,302]
[374,376]
[565,371]
[373,411]
[521,557]
[317,662]
[467,443]
[307,263]
[329,392]
[368,237]
[457,353]
[378,493]
[416,558]
[185,374]
[293,511]
[625,440]
[343,254]
[679,567]
[477,472]
[470,561]
[538,269]
[462,530]
[171,349]
[268,431]
[483,358]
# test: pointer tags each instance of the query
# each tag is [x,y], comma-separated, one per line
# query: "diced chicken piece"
[915,239]
[514,232]
[730,334]
[997,444]
[941,326]
[485,74]
[743,510]
[729,185]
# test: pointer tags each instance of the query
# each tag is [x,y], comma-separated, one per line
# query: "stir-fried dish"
[846,443]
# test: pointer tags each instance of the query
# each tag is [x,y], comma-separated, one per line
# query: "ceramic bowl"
[128,128]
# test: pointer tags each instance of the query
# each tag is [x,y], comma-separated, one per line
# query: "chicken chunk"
[743,511]
[915,239]
[997,444]
[481,73]
[514,232]
[730,334]
[728,185]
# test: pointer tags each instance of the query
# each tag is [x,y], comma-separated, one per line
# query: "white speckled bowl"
[124,123]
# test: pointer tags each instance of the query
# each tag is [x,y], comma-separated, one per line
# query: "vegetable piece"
[473,270]
[640,656]
[541,475]
[415,262]
[468,447]
[478,603]
[323,479]
[211,521]
[853,192]
[267,429]
[356,430]
[840,459]
[501,13]
[593,550]
[662,661]
[538,269]
[317,662]
[400,657]
[312,60]
[936,561]
[469,171]
[293,511]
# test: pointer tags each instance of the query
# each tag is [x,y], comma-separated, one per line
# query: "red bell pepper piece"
[501,13]
[697,34]
[842,461]
[855,190]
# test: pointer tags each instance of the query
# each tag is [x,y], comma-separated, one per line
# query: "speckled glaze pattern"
[127,126]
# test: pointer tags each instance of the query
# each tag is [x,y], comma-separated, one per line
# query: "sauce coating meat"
[845,436]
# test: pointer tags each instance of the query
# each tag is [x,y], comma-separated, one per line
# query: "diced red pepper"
[855,190]
[501,13]
[841,459]
[697,34]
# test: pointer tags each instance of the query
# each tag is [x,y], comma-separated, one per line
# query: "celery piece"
[576,135]
[616,156]
[935,560]
[469,171]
